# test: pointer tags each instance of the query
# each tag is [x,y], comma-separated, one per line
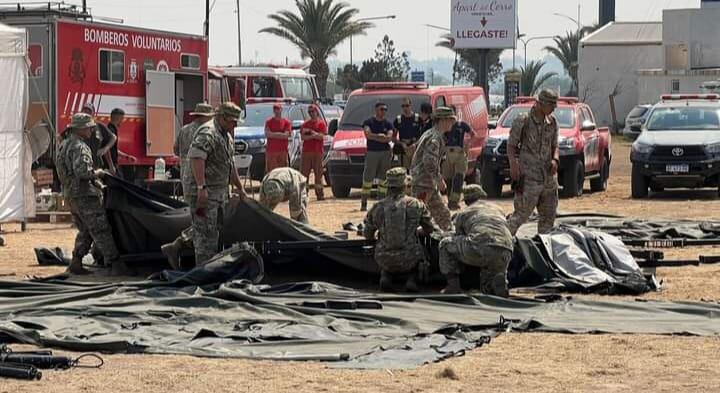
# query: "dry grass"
[512,362]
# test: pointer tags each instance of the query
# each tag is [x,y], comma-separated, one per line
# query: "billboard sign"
[487,24]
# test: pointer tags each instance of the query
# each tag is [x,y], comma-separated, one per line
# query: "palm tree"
[567,49]
[472,57]
[531,80]
[318,28]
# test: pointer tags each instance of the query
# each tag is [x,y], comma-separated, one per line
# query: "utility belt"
[455,149]
[408,141]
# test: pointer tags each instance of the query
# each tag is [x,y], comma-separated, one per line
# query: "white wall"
[604,67]
[698,30]
[653,85]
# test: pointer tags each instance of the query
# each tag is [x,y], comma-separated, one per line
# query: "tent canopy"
[16,198]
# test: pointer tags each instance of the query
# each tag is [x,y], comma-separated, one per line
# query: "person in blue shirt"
[408,128]
[456,161]
[379,134]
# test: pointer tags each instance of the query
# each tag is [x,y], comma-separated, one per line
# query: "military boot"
[453,285]
[386,281]
[499,286]
[320,193]
[76,267]
[172,253]
[411,283]
[363,203]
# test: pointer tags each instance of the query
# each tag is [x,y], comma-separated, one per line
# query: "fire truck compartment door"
[160,113]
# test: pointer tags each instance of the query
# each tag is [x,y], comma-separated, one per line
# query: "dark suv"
[679,146]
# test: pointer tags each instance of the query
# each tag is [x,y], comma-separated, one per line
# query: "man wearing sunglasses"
[407,127]
[534,158]
[379,134]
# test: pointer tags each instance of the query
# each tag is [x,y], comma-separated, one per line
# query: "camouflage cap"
[80,121]
[396,177]
[547,96]
[443,112]
[272,192]
[473,192]
[203,109]
[229,109]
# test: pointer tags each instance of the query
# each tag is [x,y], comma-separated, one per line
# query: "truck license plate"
[678,168]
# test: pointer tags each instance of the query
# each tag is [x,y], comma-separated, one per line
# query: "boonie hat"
[229,109]
[443,112]
[80,121]
[272,192]
[203,109]
[473,192]
[396,177]
[547,96]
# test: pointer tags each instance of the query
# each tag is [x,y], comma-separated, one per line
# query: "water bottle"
[159,169]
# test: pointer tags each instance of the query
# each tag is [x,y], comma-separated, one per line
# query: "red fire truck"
[156,77]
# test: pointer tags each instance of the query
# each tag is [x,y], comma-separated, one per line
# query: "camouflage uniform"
[286,184]
[184,139]
[426,175]
[535,142]
[396,220]
[481,239]
[74,163]
[215,147]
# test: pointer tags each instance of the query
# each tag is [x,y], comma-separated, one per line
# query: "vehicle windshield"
[256,115]
[638,111]
[565,116]
[298,88]
[684,118]
[362,107]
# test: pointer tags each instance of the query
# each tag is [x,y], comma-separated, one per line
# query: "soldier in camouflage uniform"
[286,184]
[202,114]
[211,158]
[481,239]
[396,220]
[74,163]
[427,180]
[534,158]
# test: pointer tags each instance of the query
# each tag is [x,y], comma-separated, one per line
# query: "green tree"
[531,80]
[317,29]
[349,77]
[468,61]
[567,49]
[395,65]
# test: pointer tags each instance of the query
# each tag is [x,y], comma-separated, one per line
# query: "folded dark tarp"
[577,260]
[627,228]
[308,321]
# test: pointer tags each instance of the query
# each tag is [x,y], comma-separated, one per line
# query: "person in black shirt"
[379,133]
[407,128]
[456,162]
[426,122]
[100,142]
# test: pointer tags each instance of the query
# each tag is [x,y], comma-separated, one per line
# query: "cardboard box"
[42,177]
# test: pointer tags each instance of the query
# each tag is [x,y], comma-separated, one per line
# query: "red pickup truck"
[585,151]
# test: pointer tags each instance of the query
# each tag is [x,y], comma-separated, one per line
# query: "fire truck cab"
[248,85]
[156,77]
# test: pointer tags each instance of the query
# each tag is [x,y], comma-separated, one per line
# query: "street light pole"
[529,40]
[239,38]
[577,21]
[445,29]
[365,20]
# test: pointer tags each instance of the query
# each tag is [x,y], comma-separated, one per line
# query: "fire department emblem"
[133,70]
[163,66]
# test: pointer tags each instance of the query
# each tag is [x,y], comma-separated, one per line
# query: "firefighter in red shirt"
[277,131]
[313,134]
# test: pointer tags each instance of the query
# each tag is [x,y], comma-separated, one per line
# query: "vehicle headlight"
[566,143]
[641,148]
[255,143]
[493,142]
[337,155]
[713,149]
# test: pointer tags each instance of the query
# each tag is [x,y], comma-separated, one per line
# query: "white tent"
[16,187]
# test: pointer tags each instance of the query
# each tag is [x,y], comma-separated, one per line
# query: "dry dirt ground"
[513,362]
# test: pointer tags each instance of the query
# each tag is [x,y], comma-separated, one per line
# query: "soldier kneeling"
[286,184]
[482,238]
[396,220]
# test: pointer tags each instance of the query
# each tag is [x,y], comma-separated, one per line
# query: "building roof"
[626,33]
